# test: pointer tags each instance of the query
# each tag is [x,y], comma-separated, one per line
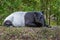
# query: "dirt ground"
[29,33]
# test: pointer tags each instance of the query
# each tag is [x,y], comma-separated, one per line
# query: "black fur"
[7,23]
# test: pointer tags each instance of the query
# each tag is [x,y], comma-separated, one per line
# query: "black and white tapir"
[31,19]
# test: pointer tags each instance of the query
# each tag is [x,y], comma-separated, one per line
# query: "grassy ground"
[29,33]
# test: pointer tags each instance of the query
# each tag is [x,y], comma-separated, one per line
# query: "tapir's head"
[40,20]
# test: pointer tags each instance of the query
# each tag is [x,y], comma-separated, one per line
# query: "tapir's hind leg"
[7,23]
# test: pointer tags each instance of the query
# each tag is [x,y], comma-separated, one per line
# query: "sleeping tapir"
[32,19]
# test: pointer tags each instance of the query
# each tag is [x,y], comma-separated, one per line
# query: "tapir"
[22,19]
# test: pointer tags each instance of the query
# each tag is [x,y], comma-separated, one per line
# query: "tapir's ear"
[42,12]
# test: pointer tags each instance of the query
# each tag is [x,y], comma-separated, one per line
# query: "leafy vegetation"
[51,7]
[48,6]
